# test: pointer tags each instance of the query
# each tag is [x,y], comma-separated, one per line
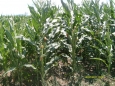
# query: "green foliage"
[30,46]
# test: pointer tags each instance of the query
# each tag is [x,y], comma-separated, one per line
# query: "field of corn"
[72,45]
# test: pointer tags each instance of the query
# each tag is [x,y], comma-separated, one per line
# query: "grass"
[59,46]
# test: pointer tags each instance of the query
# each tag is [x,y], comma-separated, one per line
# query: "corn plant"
[44,11]
[99,31]
[12,53]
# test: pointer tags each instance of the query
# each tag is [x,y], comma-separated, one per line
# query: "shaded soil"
[86,74]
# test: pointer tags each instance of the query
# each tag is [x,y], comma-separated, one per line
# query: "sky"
[10,7]
[15,7]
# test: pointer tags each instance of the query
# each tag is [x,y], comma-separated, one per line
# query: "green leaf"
[96,13]
[9,71]
[50,63]
[66,8]
[10,38]
[29,66]
[99,59]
